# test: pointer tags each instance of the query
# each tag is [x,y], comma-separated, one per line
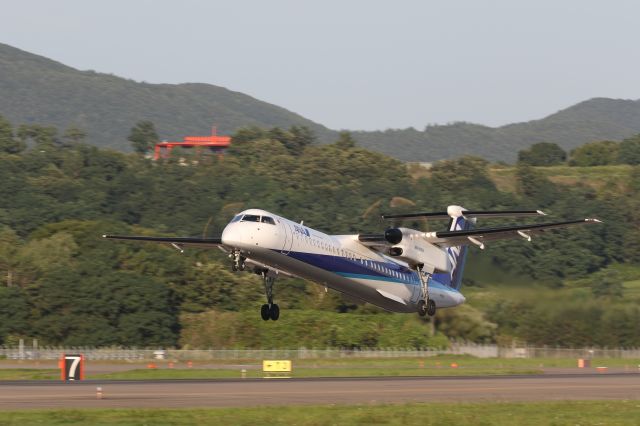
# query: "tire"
[431,308]
[274,312]
[265,312]
[422,308]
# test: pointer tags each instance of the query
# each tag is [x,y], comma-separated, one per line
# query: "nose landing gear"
[270,310]
[237,261]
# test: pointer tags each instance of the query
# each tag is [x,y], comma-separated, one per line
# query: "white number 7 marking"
[74,365]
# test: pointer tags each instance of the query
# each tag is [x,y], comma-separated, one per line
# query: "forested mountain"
[34,89]
[593,120]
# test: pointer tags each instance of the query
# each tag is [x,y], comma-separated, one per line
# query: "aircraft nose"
[231,236]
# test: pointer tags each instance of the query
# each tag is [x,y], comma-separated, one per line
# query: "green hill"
[592,120]
[34,89]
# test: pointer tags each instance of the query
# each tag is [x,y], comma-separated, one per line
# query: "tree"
[9,245]
[8,143]
[542,154]
[247,134]
[14,314]
[532,184]
[345,140]
[606,284]
[595,154]
[296,139]
[630,151]
[44,136]
[466,178]
[74,135]
[143,136]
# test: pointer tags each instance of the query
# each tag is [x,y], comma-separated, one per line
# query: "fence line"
[480,351]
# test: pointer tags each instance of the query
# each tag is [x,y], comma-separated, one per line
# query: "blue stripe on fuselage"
[359,269]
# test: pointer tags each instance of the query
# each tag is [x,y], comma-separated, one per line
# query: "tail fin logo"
[458,254]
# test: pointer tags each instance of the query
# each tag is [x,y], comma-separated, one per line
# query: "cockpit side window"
[251,218]
[236,218]
[267,219]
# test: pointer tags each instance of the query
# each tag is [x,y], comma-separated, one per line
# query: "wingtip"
[104,235]
[541,213]
[593,219]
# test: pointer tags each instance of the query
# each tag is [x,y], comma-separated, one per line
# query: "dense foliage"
[63,284]
[542,154]
[599,153]
[607,152]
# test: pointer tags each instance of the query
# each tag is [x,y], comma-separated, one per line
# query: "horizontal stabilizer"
[469,214]
[480,236]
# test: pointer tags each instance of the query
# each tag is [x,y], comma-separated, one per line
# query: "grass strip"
[441,414]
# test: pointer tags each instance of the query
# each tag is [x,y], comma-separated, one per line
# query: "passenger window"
[251,218]
[267,219]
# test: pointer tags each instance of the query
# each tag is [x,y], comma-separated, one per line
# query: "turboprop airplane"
[400,270]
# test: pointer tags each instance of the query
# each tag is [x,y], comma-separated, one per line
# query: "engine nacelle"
[410,246]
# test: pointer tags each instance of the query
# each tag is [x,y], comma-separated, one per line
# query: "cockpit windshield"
[251,218]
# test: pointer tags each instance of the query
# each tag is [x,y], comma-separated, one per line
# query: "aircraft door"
[288,237]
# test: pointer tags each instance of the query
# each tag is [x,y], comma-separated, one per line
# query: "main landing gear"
[270,310]
[426,305]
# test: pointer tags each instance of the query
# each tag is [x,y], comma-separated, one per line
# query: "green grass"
[353,367]
[441,414]
[340,367]
[29,374]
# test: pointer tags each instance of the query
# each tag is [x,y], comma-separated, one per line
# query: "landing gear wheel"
[274,312]
[270,309]
[422,308]
[237,261]
[431,307]
[265,313]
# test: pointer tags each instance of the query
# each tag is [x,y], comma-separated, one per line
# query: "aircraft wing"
[480,236]
[180,242]
[177,242]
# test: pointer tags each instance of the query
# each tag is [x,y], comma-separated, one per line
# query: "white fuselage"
[339,262]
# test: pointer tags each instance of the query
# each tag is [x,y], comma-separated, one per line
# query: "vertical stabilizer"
[457,255]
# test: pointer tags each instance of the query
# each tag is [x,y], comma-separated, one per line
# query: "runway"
[256,392]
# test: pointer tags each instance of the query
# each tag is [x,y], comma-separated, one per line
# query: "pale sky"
[354,64]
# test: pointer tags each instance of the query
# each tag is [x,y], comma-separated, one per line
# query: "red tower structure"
[214,142]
